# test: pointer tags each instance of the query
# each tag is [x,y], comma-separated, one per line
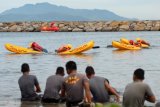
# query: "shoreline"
[19,103]
[83,26]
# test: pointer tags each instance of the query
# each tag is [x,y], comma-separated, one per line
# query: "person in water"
[100,87]
[138,44]
[142,41]
[53,87]
[35,46]
[64,48]
[74,86]
[137,92]
[29,85]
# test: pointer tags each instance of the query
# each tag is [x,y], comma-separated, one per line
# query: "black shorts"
[75,103]
[35,98]
[50,100]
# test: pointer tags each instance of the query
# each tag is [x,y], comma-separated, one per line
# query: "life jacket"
[36,47]
[131,42]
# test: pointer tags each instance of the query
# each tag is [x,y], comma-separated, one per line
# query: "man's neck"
[91,76]
[59,74]
[138,80]
[73,72]
[26,73]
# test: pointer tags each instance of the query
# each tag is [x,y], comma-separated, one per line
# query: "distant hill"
[50,12]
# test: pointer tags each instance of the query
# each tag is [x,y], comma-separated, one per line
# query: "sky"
[140,9]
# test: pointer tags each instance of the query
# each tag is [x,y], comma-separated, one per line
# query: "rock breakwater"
[92,26]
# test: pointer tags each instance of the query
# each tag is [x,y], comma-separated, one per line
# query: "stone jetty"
[83,26]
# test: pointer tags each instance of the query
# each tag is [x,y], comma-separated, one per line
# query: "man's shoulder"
[55,77]
[20,78]
[77,76]
[141,84]
[27,76]
[98,78]
[51,76]
[130,84]
[80,74]
[32,76]
[145,85]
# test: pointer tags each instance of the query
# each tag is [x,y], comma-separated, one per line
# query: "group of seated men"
[76,88]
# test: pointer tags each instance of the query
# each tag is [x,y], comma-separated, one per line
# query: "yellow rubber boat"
[124,46]
[20,49]
[126,41]
[82,48]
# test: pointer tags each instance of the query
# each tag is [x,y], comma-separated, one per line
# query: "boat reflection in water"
[118,51]
[83,56]
[126,54]
[87,57]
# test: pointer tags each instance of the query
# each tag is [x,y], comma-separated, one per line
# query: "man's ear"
[134,77]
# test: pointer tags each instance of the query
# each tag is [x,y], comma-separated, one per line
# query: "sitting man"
[29,85]
[99,87]
[74,87]
[137,92]
[64,48]
[53,87]
[35,46]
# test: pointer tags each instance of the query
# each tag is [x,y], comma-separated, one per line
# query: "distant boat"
[52,28]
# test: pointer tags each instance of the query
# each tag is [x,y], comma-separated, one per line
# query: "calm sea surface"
[117,66]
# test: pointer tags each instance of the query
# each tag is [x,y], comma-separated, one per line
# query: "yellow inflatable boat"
[20,49]
[126,41]
[82,48]
[23,50]
[124,46]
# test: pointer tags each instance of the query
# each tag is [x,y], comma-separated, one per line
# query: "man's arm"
[38,89]
[149,95]
[36,83]
[62,92]
[87,91]
[109,88]
[151,99]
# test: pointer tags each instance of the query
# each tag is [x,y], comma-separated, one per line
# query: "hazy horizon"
[143,9]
